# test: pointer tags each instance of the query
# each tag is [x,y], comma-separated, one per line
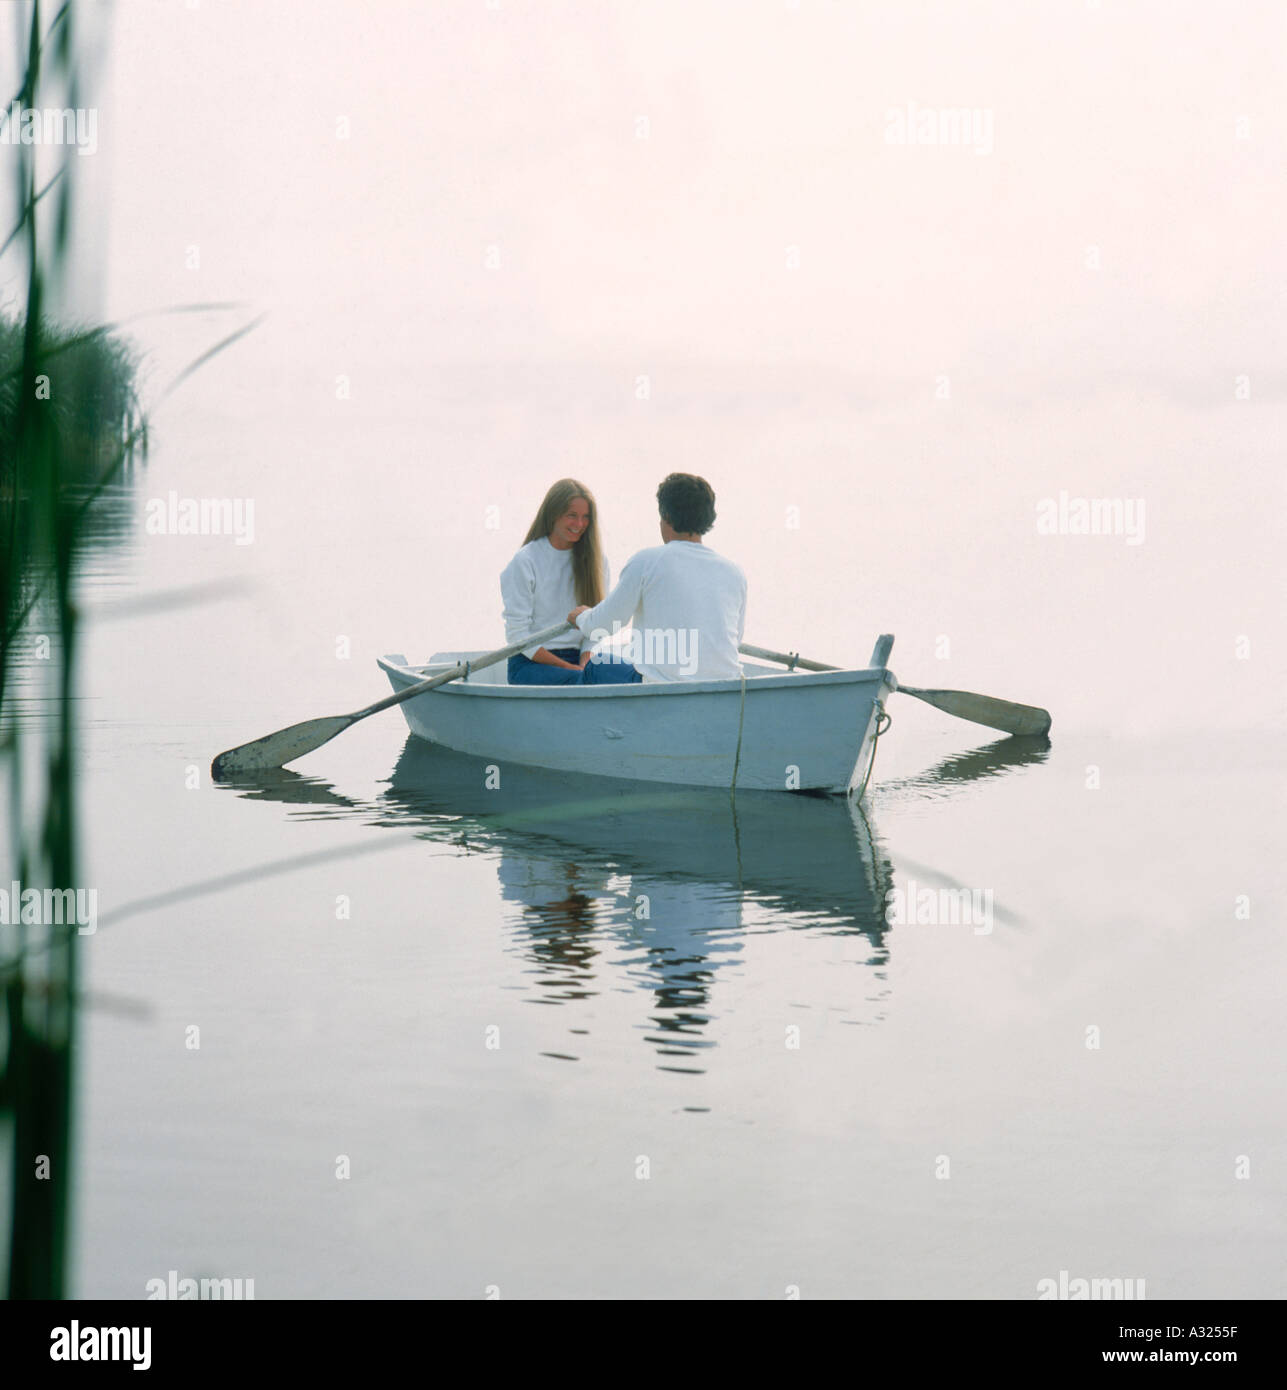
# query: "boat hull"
[775,731]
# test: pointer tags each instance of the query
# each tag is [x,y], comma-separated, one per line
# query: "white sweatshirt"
[688,607]
[539,590]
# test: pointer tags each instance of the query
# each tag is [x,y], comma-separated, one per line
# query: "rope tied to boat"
[883,721]
[741,713]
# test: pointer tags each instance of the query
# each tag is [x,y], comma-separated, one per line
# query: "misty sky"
[1115,125]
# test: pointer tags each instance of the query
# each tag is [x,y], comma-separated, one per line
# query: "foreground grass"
[85,384]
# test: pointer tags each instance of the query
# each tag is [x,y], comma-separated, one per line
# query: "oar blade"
[987,710]
[276,750]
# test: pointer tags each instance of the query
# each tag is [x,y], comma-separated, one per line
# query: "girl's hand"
[586,658]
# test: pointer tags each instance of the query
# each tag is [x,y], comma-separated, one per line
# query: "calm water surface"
[585,1039]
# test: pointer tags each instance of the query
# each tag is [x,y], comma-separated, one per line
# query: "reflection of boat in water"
[808,855]
[609,880]
[667,880]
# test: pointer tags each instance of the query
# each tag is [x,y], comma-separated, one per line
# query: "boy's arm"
[619,607]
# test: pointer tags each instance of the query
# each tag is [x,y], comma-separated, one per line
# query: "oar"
[276,750]
[987,710]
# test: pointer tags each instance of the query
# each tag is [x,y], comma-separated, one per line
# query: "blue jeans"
[523,671]
[603,670]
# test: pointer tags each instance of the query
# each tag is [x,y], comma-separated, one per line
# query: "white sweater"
[688,607]
[539,591]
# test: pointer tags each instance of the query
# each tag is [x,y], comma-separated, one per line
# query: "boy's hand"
[577,611]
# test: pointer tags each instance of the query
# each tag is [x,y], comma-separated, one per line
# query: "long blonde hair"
[587,553]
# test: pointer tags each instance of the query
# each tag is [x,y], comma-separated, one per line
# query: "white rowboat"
[771,730]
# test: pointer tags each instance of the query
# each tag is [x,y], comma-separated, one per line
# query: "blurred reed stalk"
[70,424]
[68,417]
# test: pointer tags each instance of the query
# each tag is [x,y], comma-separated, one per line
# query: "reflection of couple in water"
[673,934]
